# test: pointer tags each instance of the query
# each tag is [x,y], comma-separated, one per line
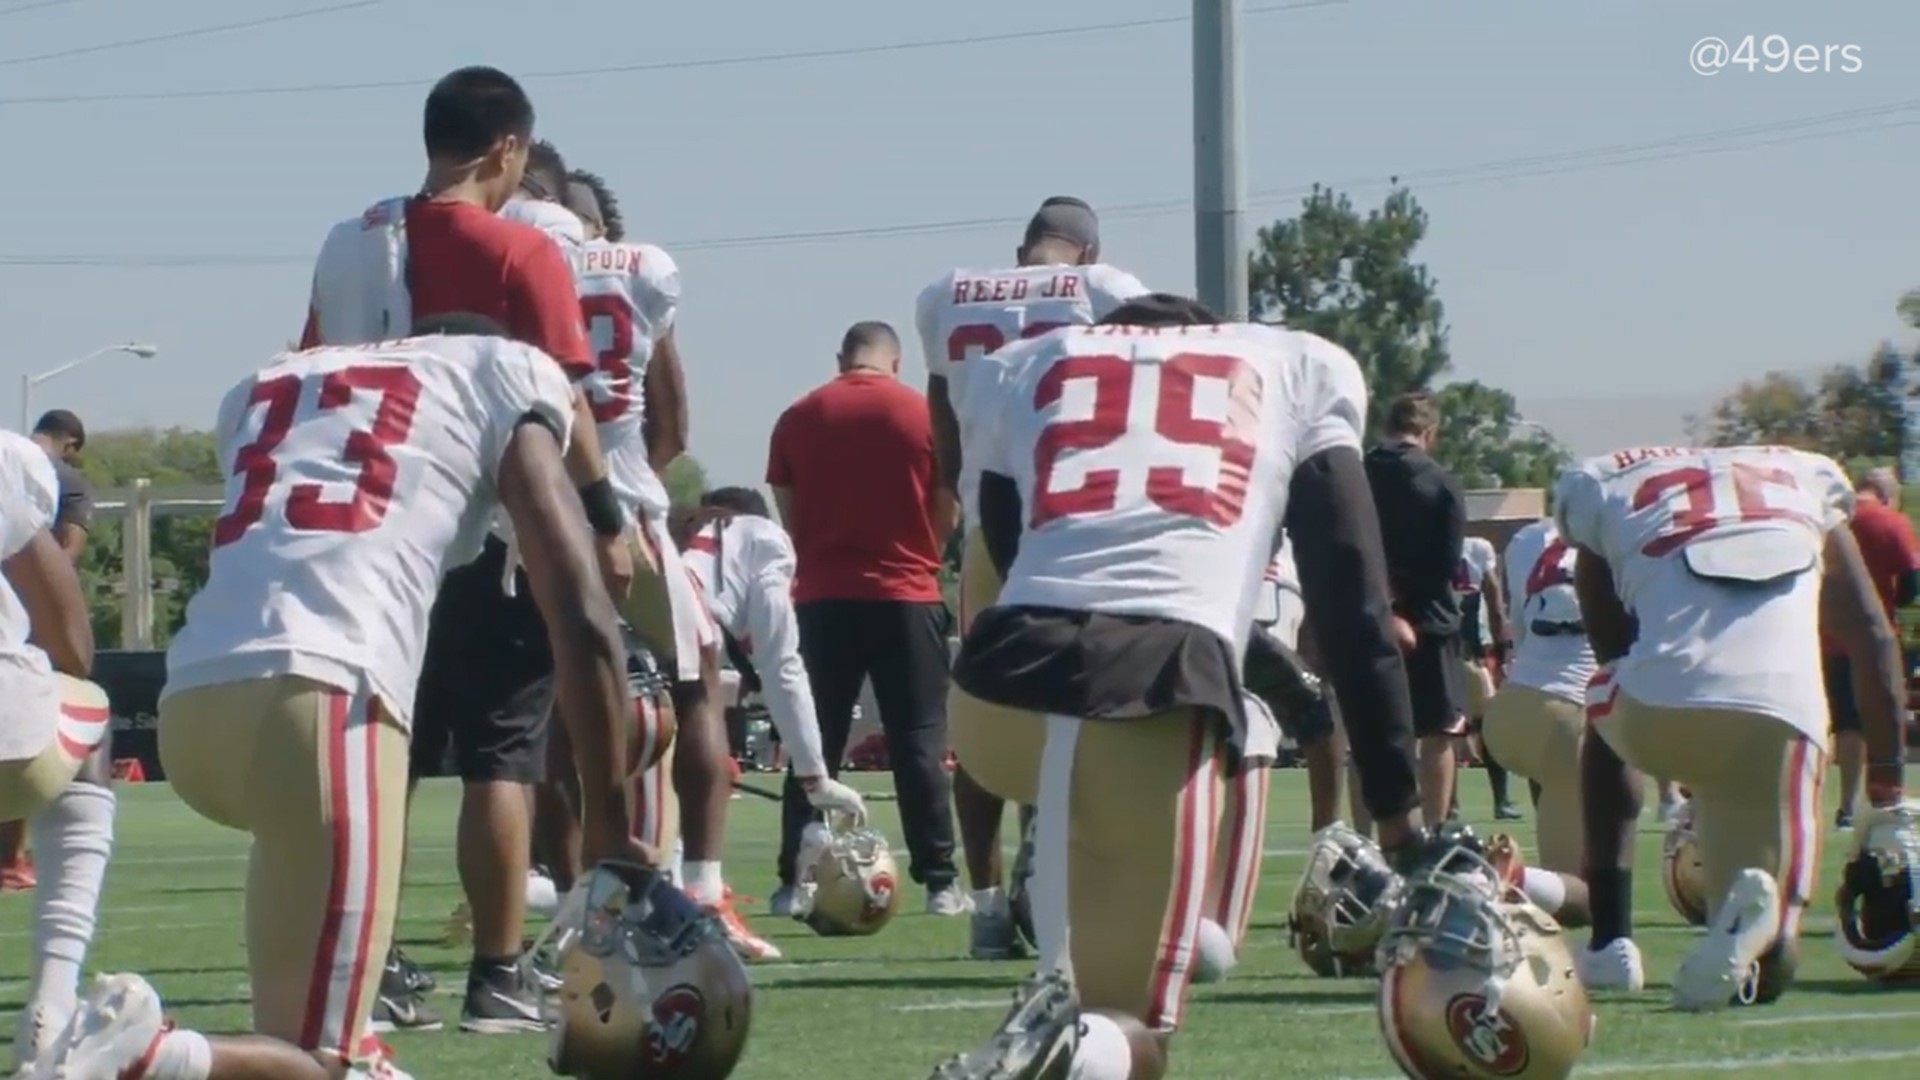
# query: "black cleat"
[415,978]
[1036,1041]
[400,1007]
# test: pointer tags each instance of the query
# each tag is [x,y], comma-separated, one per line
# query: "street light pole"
[28,382]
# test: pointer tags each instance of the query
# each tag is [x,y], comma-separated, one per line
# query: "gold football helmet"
[1476,982]
[1681,870]
[1878,902]
[655,722]
[849,885]
[1341,905]
[650,989]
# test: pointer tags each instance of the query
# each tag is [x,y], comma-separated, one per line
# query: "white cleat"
[1614,966]
[1724,964]
[37,1037]
[112,1031]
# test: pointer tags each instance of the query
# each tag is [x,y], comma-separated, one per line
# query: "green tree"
[1485,443]
[1850,412]
[686,480]
[171,457]
[1910,308]
[1353,279]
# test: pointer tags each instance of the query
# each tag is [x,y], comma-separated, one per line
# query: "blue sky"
[1663,235]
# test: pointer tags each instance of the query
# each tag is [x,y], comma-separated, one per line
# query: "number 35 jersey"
[1717,553]
[1153,464]
[357,477]
[629,294]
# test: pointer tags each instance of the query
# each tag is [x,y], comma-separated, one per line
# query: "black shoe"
[402,1012]
[414,978]
[502,1003]
[1843,819]
[1036,1041]
[1507,812]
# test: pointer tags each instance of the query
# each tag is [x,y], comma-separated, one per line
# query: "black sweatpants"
[902,647]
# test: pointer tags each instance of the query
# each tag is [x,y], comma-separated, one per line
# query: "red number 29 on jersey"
[1114,379]
[395,393]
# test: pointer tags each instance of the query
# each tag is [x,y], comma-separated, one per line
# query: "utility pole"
[1219,177]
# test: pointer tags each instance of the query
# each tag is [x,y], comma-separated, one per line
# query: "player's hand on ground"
[833,797]
[616,565]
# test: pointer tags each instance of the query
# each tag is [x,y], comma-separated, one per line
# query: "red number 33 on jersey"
[1114,380]
[397,392]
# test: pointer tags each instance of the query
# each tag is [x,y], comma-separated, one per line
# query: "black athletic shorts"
[1843,711]
[485,700]
[1434,680]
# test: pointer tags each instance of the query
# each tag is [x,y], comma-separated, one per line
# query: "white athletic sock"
[181,1055]
[72,838]
[703,881]
[677,863]
[990,901]
[1545,888]
[1103,1053]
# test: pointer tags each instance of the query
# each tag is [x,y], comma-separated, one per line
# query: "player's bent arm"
[589,661]
[49,588]
[775,632]
[72,540]
[1343,581]
[946,433]
[1493,602]
[666,419]
[1850,613]
[1611,629]
[586,465]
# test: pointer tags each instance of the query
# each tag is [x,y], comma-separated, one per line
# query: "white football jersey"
[630,294]
[1477,561]
[1670,521]
[1540,590]
[745,566]
[1153,464]
[967,314]
[29,498]
[357,477]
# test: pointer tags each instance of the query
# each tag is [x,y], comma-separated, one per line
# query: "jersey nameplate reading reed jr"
[629,294]
[357,477]
[1717,553]
[1153,463]
[968,314]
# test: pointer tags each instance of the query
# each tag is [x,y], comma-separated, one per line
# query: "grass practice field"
[889,1007]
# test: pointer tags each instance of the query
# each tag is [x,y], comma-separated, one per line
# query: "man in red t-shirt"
[1893,558]
[852,470]
[484,702]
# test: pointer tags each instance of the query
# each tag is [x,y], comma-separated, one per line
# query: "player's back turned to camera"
[1705,577]
[359,476]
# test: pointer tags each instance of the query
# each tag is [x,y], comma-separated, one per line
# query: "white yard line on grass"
[1284,852]
[1739,1064]
[971,1004]
[1829,1018]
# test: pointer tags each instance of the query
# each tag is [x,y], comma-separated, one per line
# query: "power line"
[662,65]
[180,35]
[1755,136]
[18,9]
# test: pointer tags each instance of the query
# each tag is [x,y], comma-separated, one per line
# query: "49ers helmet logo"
[1488,1036]
[676,1025]
[879,896]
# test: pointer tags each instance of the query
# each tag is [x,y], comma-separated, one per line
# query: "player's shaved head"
[1064,230]
[1161,309]
[546,175]
[740,500]
[457,324]
[870,344]
[470,110]
[589,197]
